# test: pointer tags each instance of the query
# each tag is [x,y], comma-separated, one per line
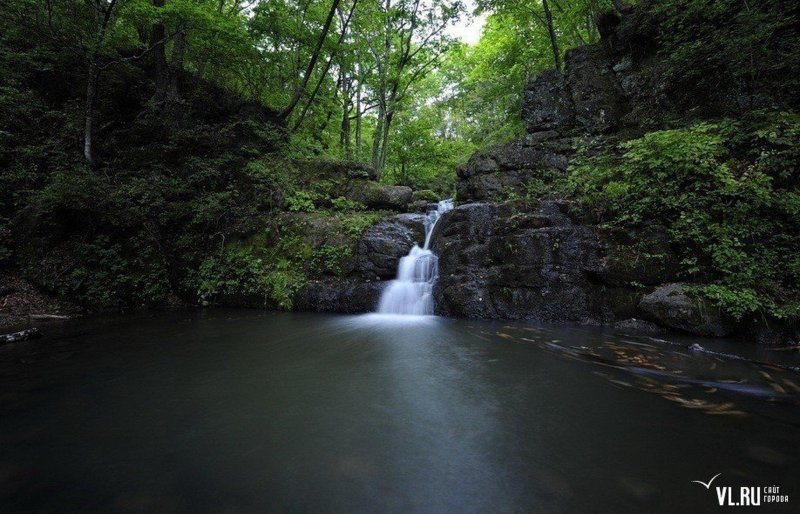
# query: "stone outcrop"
[553,265]
[671,305]
[380,248]
[547,102]
[379,196]
[544,265]
[592,97]
[492,174]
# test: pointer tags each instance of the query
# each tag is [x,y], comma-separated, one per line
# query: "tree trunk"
[345,21]
[552,32]
[377,139]
[385,145]
[344,135]
[160,57]
[311,63]
[176,67]
[358,115]
[91,92]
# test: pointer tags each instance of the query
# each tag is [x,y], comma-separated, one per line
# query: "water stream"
[412,292]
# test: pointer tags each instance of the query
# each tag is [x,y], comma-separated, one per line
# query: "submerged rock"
[638,327]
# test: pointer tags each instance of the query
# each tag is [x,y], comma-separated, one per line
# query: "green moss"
[425,195]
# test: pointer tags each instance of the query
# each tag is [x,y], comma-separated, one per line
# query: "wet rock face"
[550,264]
[344,295]
[588,96]
[540,265]
[380,248]
[670,305]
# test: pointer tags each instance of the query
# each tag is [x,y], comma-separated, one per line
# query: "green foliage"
[355,223]
[728,194]
[754,45]
[330,259]
[302,201]
[426,195]
[526,196]
[341,203]
[240,271]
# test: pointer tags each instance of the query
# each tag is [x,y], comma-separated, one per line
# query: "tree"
[406,40]
[312,62]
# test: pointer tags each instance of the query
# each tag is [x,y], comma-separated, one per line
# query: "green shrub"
[345,204]
[302,201]
[727,192]
[330,259]
[239,270]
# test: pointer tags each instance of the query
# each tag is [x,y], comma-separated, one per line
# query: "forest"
[171,152]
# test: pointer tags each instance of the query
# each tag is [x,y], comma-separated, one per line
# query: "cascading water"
[412,291]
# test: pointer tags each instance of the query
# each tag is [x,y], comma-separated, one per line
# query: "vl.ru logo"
[746,496]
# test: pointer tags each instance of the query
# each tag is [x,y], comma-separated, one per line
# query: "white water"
[412,291]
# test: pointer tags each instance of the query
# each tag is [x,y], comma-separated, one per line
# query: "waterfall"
[412,291]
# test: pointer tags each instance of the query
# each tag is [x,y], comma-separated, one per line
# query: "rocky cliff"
[550,261]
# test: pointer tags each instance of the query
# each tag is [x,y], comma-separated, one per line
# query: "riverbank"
[23,305]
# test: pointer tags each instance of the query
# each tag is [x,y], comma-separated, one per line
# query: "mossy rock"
[425,195]
[379,196]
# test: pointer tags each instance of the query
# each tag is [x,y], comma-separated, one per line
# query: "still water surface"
[242,411]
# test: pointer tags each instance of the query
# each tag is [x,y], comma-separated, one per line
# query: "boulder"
[380,248]
[344,295]
[379,196]
[418,206]
[425,195]
[671,305]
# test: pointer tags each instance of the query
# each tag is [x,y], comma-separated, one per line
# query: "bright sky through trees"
[468,29]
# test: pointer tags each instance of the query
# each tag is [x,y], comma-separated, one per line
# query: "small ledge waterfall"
[412,291]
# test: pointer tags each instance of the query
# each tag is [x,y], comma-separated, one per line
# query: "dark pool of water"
[241,411]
